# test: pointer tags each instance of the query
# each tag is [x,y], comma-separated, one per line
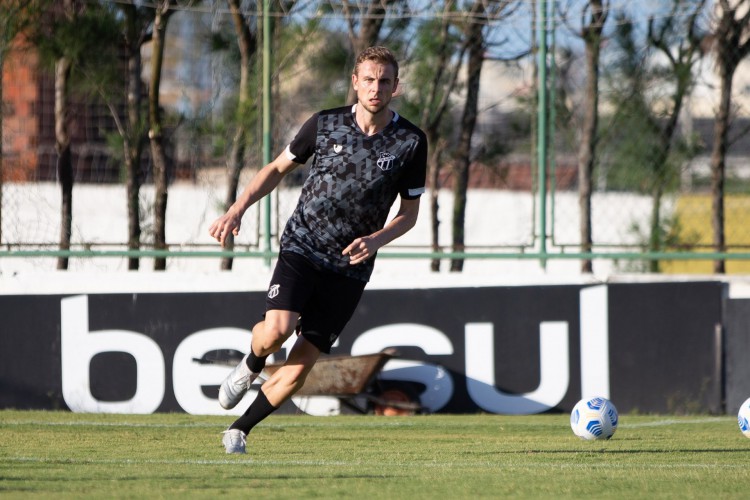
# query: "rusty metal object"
[340,376]
[351,379]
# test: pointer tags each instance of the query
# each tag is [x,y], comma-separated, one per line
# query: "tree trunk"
[433,167]
[655,243]
[133,186]
[442,84]
[64,160]
[587,148]
[732,46]
[235,162]
[132,140]
[236,158]
[475,40]
[660,168]
[682,65]
[718,155]
[158,156]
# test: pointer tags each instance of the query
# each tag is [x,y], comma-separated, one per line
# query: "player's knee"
[271,337]
[295,375]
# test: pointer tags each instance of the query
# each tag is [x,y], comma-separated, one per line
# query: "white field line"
[338,463]
[671,421]
[84,423]
[322,424]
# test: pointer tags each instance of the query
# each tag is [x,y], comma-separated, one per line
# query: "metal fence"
[518,208]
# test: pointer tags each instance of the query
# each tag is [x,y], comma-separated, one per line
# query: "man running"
[364,157]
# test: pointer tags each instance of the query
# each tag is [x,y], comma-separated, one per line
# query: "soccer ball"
[743,418]
[594,418]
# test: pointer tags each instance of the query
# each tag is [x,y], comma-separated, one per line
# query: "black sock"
[259,409]
[255,363]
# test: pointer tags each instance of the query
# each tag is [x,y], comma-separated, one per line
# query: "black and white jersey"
[353,181]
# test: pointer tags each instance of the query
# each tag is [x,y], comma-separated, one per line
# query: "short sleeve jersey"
[353,181]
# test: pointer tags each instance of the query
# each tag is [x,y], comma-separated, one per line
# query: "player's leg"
[292,284]
[324,316]
[268,337]
[281,386]
[270,334]
[290,287]
[290,378]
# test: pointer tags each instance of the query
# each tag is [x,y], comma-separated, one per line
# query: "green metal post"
[267,118]
[552,124]
[542,132]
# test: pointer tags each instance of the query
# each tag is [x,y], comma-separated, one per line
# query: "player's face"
[375,84]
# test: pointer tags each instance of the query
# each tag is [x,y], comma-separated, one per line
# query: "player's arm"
[365,247]
[261,184]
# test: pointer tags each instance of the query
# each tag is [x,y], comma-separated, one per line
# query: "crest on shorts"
[385,161]
[273,291]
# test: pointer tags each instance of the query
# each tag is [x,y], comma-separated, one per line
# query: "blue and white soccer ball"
[594,418]
[743,418]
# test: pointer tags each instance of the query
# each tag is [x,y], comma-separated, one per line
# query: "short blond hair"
[381,55]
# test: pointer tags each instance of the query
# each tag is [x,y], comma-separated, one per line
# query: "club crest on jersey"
[385,161]
[273,291]
[337,148]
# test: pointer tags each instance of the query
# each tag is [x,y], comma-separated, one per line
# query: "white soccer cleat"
[236,385]
[234,441]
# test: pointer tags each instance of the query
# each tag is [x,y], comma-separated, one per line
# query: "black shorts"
[325,300]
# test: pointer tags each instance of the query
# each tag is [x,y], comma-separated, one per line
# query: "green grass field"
[61,454]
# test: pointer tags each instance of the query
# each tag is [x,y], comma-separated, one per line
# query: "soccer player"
[364,157]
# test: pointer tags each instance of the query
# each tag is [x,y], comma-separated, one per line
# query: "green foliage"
[423,63]
[115,143]
[644,94]
[217,120]
[332,64]
[17,16]
[226,53]
[326,74]
[631,137]
[90,39]
[86,37]
[220,41]
[671,235]
[630,147]
[62,454]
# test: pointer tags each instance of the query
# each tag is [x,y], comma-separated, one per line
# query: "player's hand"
[221,227]
[360,250]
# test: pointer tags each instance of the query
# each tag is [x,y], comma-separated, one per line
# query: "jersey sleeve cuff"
[414,193]
[289,155]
